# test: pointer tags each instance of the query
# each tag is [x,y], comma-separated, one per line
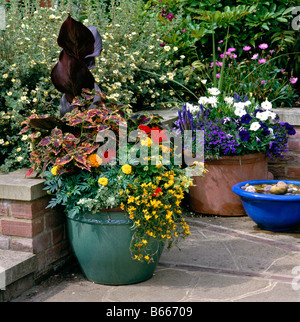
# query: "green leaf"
[265,26]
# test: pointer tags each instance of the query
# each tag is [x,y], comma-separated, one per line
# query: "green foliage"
[249,23]
[29,51]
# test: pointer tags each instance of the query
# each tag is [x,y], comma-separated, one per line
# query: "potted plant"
[240,135]
[122,202]
[273,205]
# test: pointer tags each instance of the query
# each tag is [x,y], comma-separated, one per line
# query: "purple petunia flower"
[246,119]
[244,135]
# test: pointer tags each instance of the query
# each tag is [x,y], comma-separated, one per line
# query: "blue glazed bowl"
[270,212]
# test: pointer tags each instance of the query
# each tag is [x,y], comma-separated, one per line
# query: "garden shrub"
[133,68]
[250,23]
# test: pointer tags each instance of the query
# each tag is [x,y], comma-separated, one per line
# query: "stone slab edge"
[15,265]
[14,186]
[290,115]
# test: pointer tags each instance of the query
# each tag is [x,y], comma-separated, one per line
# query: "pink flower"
[218,75]
[262,61]
[220,42]
[255,56]
[262,82]
[184,30]
[263,46]
[230,50]
[293,80]
[247,48]
[170,16]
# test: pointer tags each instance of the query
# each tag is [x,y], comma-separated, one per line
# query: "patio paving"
[226,259]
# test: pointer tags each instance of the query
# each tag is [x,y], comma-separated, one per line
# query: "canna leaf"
[76,39]
[70,76]
[90,59]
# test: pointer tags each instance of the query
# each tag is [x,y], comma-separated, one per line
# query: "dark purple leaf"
[70,76]
[76,39]
[90,59]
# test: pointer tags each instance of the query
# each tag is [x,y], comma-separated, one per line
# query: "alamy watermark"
[296,20]
[154,147]
[2,17]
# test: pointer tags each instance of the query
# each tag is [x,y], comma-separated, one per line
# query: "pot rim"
[93,220]
[258,196]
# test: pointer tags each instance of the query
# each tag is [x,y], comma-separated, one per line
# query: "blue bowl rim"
[259,196]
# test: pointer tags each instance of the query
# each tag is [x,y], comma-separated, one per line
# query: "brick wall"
[289,167]
[29,226]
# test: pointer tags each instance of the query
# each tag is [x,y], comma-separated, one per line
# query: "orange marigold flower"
[95,160]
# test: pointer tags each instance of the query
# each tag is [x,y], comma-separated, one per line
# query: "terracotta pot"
[213,193]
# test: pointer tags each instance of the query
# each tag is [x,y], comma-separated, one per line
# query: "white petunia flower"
[266,105]
[229,100]
[240,112]
[203,100]
[192,108]
[213,91]
[254,126]
[263,116]
[212,100]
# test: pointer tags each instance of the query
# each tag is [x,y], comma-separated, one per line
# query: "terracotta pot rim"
[246,158]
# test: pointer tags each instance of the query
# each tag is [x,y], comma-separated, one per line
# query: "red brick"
[4,207]
[42,242]
[4,242]
[22,244]
[54,219]
[297,135]
[294,145]
[279,171]
[289,158]
[29,210]
[13,227]
[293,172]
[58,234]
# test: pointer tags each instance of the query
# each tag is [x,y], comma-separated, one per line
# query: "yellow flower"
[147,257]
[103,181]
[54,170]
[146,142]
[126,168]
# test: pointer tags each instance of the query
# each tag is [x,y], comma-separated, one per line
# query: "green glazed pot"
[101,244]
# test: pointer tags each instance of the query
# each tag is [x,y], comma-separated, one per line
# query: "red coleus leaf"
[81,158]
[70,137]
[64,160]
[45,141]
[30,172]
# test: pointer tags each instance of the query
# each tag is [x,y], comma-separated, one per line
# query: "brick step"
[16,273]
